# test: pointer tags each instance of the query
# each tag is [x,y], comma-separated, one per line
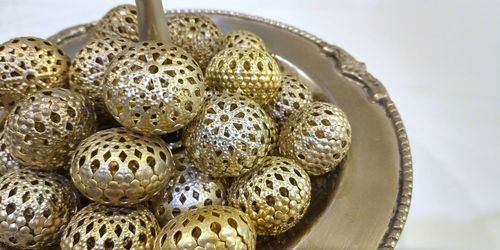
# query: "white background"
[440,63]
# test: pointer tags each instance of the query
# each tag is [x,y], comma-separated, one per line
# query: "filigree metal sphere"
[43,130]
[7,162]
[29,64]
[154,88]
[253,72]
[212,227]
[197,34]
[318,137]
[121,168]
[275,195]
[243,39]
[99,227]
[188,189]
[34,208]
[120,21]
[232,133]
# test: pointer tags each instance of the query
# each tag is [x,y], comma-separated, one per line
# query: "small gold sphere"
[275,195]
[43,129]
[188,189]
[253,72]
[29,64]
[35,207]
[212,227]
[230,135]
[7,162]
[317,138]
[197,34]
[100,227]
[120,21]
[121,168]
[154,88]
[243,39]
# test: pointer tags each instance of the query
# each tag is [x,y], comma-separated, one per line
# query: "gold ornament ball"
[188,189]
[243,39]
[120,21]
[212,227]
[121,168]
[197,34]
[7,162]
[317,138]
[154,88]
[35,207]
[230,135]
[43,129]
[275,195]
[253,72]
[29,64]
[100,227]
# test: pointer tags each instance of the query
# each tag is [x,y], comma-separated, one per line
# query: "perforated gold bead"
[243,39]
[120,21]
[7,162]
[212,227]
[318,137]
[102,227]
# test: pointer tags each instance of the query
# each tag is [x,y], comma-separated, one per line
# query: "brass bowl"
[364,203]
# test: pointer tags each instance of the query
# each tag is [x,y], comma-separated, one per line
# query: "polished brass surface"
[7,162]
[243,39]
[212,227]
[121,168]
[152,21]
[43,129]
[120,21]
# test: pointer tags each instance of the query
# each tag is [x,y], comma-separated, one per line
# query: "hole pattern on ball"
[120,21]
[7,162]
[243,39]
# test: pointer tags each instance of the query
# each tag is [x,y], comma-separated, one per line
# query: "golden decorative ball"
[230,135]
[121,168]
[7,162]
[292,96]
[29,64]
[197,34]
[102,227]
[43,129]
[212,227]
[243,39]
[7,103]
[34,208]
[275,195]
[154,88]
[253,72]
[317,138]
[188,189]
[120,21]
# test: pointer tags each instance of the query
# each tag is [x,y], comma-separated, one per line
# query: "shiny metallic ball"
[230,135]
[250,71]
[317,138]
[243,39]
[154,88]
[121,168]
[35,207]
[120,21]
[212,227]
[188,189]
[7,162]
[100,227]
[197,34]
[29,64]
[44,129]
[275,195]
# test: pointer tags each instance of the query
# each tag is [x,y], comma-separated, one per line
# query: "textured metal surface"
[7,162]
[243,39]
[120,21]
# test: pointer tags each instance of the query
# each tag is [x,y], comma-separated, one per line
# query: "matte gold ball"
[197,34]
[318,137]
[100,227]
[253,72]
[154,88]
[230,135]
[29,64]
[212,227]
[7,162]
[243,39]
[35,207]
[188,189]
[44,129]
[120,21]
[275,195]
[121,168]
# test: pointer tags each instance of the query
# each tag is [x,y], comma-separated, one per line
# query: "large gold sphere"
[212,227]
[99,227]
[35,207]
[43,130]
[275,195]
[121,168]
[243,39]
[318,137]
[253,72]
[120,21]
[7,162]
[154,88]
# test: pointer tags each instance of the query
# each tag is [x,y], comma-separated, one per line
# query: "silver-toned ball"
[7,162]
[120,21]
[243,39]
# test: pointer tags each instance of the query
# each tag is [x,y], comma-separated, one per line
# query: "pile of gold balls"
[87,159]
